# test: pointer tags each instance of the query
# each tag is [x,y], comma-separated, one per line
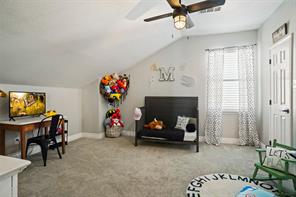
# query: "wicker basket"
[114,131]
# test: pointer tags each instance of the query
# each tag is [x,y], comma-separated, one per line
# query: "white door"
[281,91]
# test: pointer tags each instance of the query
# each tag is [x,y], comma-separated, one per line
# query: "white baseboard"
[36,149]
[201,138]
[31,151]
[224,140]
[75,137]
[86,135]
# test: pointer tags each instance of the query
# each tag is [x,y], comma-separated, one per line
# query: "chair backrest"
[276,144]
[55,123]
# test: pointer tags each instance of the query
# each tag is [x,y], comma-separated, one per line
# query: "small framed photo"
[280,33]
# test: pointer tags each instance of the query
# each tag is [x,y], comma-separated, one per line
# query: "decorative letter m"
[167,74]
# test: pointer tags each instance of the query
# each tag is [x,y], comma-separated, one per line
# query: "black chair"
[44,140]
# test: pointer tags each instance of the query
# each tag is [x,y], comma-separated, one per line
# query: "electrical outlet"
[17,140]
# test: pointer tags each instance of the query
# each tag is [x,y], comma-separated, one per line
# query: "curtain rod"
[231,47]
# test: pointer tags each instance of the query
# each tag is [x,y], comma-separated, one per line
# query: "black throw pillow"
[190,128]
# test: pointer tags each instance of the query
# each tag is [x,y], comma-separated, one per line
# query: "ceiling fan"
[181,12]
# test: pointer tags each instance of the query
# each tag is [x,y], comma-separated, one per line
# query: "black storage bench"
[168,109]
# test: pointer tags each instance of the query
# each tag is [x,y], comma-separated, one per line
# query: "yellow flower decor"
[50,113]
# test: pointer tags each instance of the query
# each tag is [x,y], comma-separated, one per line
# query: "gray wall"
[94,108]
[285,13]
[65,100]
[188,56]
[84,108]
[90,106]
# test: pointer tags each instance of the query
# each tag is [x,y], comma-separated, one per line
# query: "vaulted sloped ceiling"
[69,43]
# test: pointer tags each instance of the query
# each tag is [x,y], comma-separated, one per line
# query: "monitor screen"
[26,104]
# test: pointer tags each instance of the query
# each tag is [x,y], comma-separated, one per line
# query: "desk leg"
[63,137]
[2,141]
[23,144]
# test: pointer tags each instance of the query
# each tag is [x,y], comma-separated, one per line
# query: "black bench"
[167,109]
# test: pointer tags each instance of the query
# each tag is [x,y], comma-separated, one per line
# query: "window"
[230,81]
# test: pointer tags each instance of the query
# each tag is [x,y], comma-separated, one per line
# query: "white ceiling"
[69,43]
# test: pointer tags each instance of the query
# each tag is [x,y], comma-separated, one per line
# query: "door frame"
[288,36]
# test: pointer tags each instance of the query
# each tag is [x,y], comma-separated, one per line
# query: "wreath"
[114,88]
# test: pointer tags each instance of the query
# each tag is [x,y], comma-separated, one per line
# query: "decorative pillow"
[182,122]
[192,121]
[190,128]
[274,156]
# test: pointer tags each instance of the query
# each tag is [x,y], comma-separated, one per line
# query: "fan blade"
[141,8]
[189,22]
[204,5]
[174,3]
[158,17]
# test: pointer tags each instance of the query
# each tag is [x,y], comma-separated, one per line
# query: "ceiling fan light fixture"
[181,12]
[180,21]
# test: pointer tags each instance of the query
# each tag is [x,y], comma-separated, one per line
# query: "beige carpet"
[115,168]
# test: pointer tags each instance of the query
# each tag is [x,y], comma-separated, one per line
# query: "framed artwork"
[280,33]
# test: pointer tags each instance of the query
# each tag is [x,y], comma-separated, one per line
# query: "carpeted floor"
[115,168]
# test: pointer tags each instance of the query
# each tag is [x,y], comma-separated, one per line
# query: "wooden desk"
[23,126]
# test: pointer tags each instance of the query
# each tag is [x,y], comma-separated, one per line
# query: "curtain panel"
[245,64]
[213,127]
[247,113]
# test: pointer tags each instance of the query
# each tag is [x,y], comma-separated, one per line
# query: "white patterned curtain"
[213,127]
[248,135]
